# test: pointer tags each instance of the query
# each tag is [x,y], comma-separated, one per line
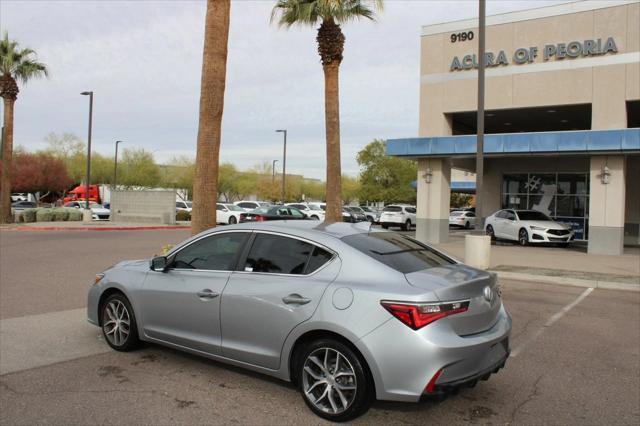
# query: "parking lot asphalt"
[577,355]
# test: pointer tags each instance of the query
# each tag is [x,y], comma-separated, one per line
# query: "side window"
[283,212]
[501,214]
[296,213]
[215,253]
[470,214]
[219,207]
[318,258]
[411,210]
[277,254]
[245,205]
[510,215]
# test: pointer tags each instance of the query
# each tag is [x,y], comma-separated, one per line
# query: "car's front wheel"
[490,232]
[523,237]
[119,323]
[233,220]
[334,381]
[407,225]
[315,217]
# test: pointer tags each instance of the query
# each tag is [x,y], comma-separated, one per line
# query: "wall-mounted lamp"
[604,176]
[428,174]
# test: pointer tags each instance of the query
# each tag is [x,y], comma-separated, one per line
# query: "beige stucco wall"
[605,86]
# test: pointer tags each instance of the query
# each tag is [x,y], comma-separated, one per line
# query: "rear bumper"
[403,361]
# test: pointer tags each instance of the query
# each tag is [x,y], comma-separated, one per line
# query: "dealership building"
[562,119]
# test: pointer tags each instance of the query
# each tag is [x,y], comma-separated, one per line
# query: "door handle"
[295,299]
[207,294]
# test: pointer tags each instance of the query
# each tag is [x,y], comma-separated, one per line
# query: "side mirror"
[159,264]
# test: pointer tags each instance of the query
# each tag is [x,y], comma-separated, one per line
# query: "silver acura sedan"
[347,313]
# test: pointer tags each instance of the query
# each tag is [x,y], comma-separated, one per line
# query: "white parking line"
[555,317]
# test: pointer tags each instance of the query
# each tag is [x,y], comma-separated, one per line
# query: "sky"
[143,60]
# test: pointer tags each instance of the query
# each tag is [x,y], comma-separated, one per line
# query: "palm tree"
[214,70]
[15,65]
[330,14]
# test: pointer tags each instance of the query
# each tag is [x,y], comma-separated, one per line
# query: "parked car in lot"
[372,215]
[228,213]
[185,206]
[272,213]
[252,205]
[348,314]
[358,213]
[527,227]
[98,212]
[400,215]
[312,210]
[18,206]
[463,218]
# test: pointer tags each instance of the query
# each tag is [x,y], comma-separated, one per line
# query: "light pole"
[284,161]
[88,187]
[480,142]
[273,171]
[115,168]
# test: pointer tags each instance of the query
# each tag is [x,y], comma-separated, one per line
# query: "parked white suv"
[401,215]
[184,206]
[313,211]
[247,206]
[228,213]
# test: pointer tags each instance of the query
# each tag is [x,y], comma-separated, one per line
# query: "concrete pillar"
[433,200]
[632,215]
[607,205]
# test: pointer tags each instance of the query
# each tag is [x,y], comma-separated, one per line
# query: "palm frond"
[20,64]
[310,12]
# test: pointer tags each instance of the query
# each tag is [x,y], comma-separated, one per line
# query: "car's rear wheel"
[233,220]
[490,232]
[523,237]
[334,381]
[118,323]
[314,217]
[407,225]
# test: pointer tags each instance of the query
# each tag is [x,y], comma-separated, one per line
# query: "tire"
[489,231]
[523,237]
[314,217]
[563,245]
[354,386]
[370,219]
[117,308]
[467,225]
[385,226]
[407,225]
[233,220]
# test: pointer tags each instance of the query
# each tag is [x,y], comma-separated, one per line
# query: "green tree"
[138,168]
[72,151]
[228,182]
[330,14]
[212,85]
[350,189]
[384,178]
[16,65]
[178,173]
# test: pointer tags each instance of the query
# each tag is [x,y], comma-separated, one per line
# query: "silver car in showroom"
[347,313]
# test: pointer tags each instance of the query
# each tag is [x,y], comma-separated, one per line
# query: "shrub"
[183,215]
[28,215]
[44,215]
[74,215]
[60,214]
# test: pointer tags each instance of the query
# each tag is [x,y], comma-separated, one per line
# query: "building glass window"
[562,196]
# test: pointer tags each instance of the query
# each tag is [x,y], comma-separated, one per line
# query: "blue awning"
[587,141]
[455,186]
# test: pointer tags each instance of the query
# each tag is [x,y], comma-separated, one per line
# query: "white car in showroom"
[527,227]
[401,215]
[463,218]
[228,213]
[312,210]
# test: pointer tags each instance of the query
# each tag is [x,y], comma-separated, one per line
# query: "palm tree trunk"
[214,69]
[7,153]
[332,128]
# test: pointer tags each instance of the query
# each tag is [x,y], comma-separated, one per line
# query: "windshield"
[532,215]
[397,251]
[261,210]
[189,204]
[367,209]
[455,214]
[392,209]
[315,207]
[232,207]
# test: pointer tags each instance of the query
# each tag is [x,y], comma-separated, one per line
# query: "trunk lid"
[461,282]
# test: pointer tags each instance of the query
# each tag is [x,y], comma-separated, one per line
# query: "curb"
[574,282]
[103,228]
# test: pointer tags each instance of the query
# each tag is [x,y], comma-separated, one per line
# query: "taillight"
[259,218]
[417,315]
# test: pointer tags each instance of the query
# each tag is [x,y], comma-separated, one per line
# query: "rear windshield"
[455,213]
[532,215]
[392,209]
[397,251]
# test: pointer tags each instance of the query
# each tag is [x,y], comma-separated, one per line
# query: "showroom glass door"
[563,196]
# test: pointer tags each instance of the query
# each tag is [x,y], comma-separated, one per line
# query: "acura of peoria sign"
[524,55]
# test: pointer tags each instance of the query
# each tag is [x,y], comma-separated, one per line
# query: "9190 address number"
[462,36]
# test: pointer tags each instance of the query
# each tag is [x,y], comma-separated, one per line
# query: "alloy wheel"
[116,322]
[523,237]
[329,380]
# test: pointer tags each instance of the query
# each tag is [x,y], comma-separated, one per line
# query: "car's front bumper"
[538,236]
[403,361]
